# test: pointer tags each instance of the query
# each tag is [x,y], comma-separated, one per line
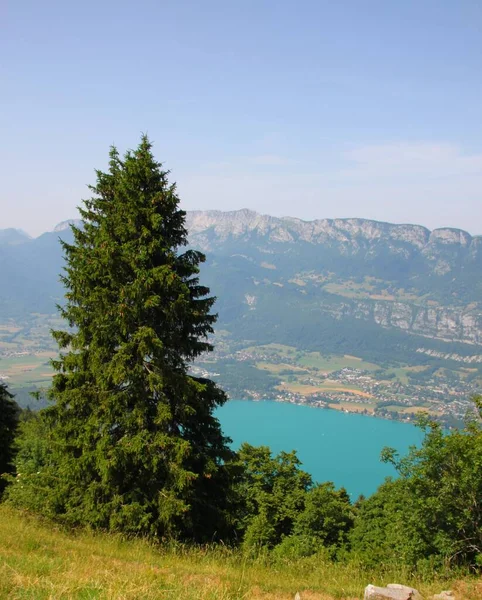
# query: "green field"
[27,370]
[329,364]
[280,367]
[273,349]
[316,360]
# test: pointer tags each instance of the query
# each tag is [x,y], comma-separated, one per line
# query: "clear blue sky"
[310,108]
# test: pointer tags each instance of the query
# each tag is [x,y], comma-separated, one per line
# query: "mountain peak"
[63,225]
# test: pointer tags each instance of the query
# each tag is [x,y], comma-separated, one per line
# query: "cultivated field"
[26,370]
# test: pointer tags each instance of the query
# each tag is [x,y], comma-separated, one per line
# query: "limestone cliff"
[440,269]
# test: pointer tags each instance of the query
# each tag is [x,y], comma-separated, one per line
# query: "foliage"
[135,445]
[321,526]
[295,547]
[433,513]
[381,533]
[34,480]
[9,417]
[327,515]
[272,492]
[281,509]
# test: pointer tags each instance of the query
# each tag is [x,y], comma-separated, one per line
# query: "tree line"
[130,443]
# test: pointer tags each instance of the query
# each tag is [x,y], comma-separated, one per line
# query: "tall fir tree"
[9,417]
[135,444]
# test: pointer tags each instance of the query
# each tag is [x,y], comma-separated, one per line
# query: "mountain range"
[341,285]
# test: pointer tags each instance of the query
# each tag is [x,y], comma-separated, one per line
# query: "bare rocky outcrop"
[443,323]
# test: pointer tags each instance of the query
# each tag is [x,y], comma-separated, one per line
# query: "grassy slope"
[39,561]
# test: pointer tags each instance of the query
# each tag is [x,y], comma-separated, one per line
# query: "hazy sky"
[347,108]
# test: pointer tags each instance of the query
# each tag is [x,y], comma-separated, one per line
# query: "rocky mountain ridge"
[290,229]
[271,272]
[438,252]
[439,267]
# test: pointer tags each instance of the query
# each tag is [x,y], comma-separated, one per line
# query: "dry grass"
[39,561]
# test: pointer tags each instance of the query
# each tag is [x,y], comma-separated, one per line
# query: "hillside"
[40,561]
[295,299]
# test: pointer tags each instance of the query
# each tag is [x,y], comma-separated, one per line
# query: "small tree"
[9,416]
[135,445]
[327,516]
[34,478]
[272,492]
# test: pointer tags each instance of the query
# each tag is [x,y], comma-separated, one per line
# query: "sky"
[313,109]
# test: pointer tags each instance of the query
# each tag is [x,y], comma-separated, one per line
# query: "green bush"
[295,547]
[271,492]
[327,516]
[31,486]
[433,512]
[280,507]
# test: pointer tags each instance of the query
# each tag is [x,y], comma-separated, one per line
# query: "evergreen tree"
[135,445]
[9,416]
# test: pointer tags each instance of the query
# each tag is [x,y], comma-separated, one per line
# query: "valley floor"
[39,561]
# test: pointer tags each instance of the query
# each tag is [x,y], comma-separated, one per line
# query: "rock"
[393,591]
[445,595]
[415,594]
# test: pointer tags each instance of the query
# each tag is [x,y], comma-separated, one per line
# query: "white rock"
[415,594]
[394,591]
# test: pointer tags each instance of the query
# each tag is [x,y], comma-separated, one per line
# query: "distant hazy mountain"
[10,237]
[29,272]
[342,285]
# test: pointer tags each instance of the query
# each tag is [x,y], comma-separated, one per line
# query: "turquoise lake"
[332,445]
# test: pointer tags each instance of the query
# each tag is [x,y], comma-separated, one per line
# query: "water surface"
[333,446]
